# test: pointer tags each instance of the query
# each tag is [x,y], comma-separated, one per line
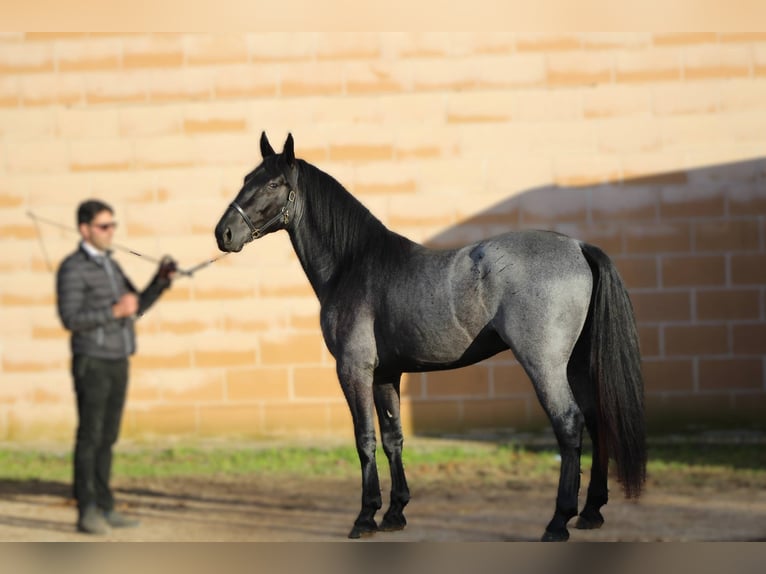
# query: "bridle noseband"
[283,215]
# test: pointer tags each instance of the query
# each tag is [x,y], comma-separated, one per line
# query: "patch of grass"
[742,464]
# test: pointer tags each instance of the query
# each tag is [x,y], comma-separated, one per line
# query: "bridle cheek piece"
[283,216]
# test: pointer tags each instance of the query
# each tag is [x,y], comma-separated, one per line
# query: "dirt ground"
[458,506]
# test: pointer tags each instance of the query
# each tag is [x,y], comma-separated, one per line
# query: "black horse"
[390,306]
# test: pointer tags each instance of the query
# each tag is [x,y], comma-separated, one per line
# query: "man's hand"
[127,306]
[167,269]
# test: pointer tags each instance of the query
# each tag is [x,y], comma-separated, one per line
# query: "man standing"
[98,304]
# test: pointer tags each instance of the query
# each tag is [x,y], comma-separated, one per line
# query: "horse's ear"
[288,152]
[266,149]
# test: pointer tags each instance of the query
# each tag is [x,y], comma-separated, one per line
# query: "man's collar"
[92,251]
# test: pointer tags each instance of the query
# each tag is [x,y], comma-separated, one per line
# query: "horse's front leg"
[386,392]
[356,381]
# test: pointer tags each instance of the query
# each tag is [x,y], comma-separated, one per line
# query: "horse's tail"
[615,370]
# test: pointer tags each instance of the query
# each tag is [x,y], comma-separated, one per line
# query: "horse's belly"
[444,352]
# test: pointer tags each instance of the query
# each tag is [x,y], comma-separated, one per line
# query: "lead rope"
[37,219]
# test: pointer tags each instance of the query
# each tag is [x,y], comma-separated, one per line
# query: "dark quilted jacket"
[85,295]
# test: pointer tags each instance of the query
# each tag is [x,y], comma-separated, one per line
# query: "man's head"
[95,221]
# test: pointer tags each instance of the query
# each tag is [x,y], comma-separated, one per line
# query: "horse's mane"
[348,230]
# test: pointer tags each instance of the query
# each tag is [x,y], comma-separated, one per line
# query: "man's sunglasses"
[105,226]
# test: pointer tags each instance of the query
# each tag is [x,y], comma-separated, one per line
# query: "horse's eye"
[273,185]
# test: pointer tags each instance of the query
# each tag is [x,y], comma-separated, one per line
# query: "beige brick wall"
[649,145]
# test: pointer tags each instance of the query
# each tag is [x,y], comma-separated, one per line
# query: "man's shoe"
[92,521]
[118,520]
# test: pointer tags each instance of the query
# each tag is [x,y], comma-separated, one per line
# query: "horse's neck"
[323,260]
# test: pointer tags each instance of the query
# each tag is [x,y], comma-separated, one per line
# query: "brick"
[316,383]
[435,416]
[291,349]
[685,38]
[477,107]
[649,341]
[205,49]
[607,236]
[748,269]
[87,123]
[195,386]
[609,101]
[730,374]
[580,170]
[545,105]
[616,40]
[679,132]
[88,55]
[361,152]
[316,79]
[224,358]
[658,238]
[739,37]
[239,82]
[494,413]
[44,156]
[29,124]
[257,383]
[510,379]
[742,95]
[180,85]
[160,419]
[296,418]
[150,121]
[746,201]
[547,43]
[637,272]
[728,304]
[420,210]
[681,99]
[151,359]
[348,46]
[653,65]
[759,61]
[696,339]
[660,306]
[717,62]
[731,235]
[571,69]
[645,136]
[402,45]
[486,72]
[749,339]
[10,92]
[113,88]
[35,423]
[51,89]
[668,375]
[100,155]
[413,386]
[281,47]
[166,152]
[466,382]
[684,202]
[26,58]
[613,203]
[228,420]
[551,205]
[153,51]
[691,271]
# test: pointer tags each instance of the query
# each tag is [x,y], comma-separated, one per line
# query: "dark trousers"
[100,386]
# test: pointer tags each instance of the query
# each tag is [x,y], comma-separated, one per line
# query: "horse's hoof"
[362,531]
[393,523]
[589,521]
[555,536]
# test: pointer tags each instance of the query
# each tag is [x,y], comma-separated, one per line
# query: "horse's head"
[266,201]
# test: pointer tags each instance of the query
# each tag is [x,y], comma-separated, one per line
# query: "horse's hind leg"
[386,392]
[585,393]
[567,420]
